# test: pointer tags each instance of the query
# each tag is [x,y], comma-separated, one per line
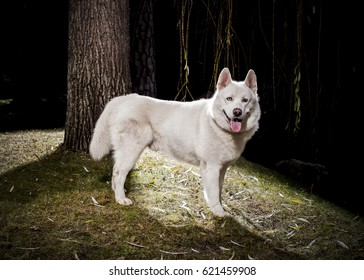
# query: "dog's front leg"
[222,177]
[211,181]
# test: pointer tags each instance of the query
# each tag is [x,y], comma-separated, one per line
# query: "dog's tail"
[101,141]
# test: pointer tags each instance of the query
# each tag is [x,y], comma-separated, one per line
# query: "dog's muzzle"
[235,123]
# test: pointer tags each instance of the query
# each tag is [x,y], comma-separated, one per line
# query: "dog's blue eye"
[229,98]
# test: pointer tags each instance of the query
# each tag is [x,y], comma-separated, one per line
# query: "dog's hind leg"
[125,155]
[124,162]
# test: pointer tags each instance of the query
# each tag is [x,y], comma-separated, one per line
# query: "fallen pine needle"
[303,220]
[195,173]
[68,240]
[236,243]
[310,244]
[96,203]
[223,248]
[342,244]
[136,245]
[172,253]
[159,209]
[30,248]
[250,258]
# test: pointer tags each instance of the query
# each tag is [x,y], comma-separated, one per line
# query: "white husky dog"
[210,133]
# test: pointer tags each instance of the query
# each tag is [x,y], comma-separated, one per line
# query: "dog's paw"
[219,211]
[124,201]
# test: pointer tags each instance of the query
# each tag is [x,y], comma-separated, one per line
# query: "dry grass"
[56,204]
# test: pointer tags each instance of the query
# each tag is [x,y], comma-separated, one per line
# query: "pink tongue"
[235,126]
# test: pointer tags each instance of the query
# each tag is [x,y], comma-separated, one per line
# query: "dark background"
[33,74]
[33,63]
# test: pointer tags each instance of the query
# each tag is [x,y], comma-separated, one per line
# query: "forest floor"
[57,204]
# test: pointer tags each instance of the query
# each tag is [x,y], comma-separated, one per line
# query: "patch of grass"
[5,101]
[22,147]
[59,205]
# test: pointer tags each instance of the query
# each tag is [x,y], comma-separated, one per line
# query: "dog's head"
[236,104]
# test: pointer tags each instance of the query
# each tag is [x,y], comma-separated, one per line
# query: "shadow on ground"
[62,207]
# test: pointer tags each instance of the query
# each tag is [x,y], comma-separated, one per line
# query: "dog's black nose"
[237,112]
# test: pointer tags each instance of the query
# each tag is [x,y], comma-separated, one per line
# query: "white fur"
[196,132]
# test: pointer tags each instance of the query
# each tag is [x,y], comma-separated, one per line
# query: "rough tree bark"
[143,55]
[98,64]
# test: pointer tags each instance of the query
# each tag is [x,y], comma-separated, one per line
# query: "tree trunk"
[98,64]
[143,55]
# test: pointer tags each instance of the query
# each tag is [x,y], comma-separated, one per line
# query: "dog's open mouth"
[235,123]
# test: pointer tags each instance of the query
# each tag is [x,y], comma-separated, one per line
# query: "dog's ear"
[224,79]
[251,81]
